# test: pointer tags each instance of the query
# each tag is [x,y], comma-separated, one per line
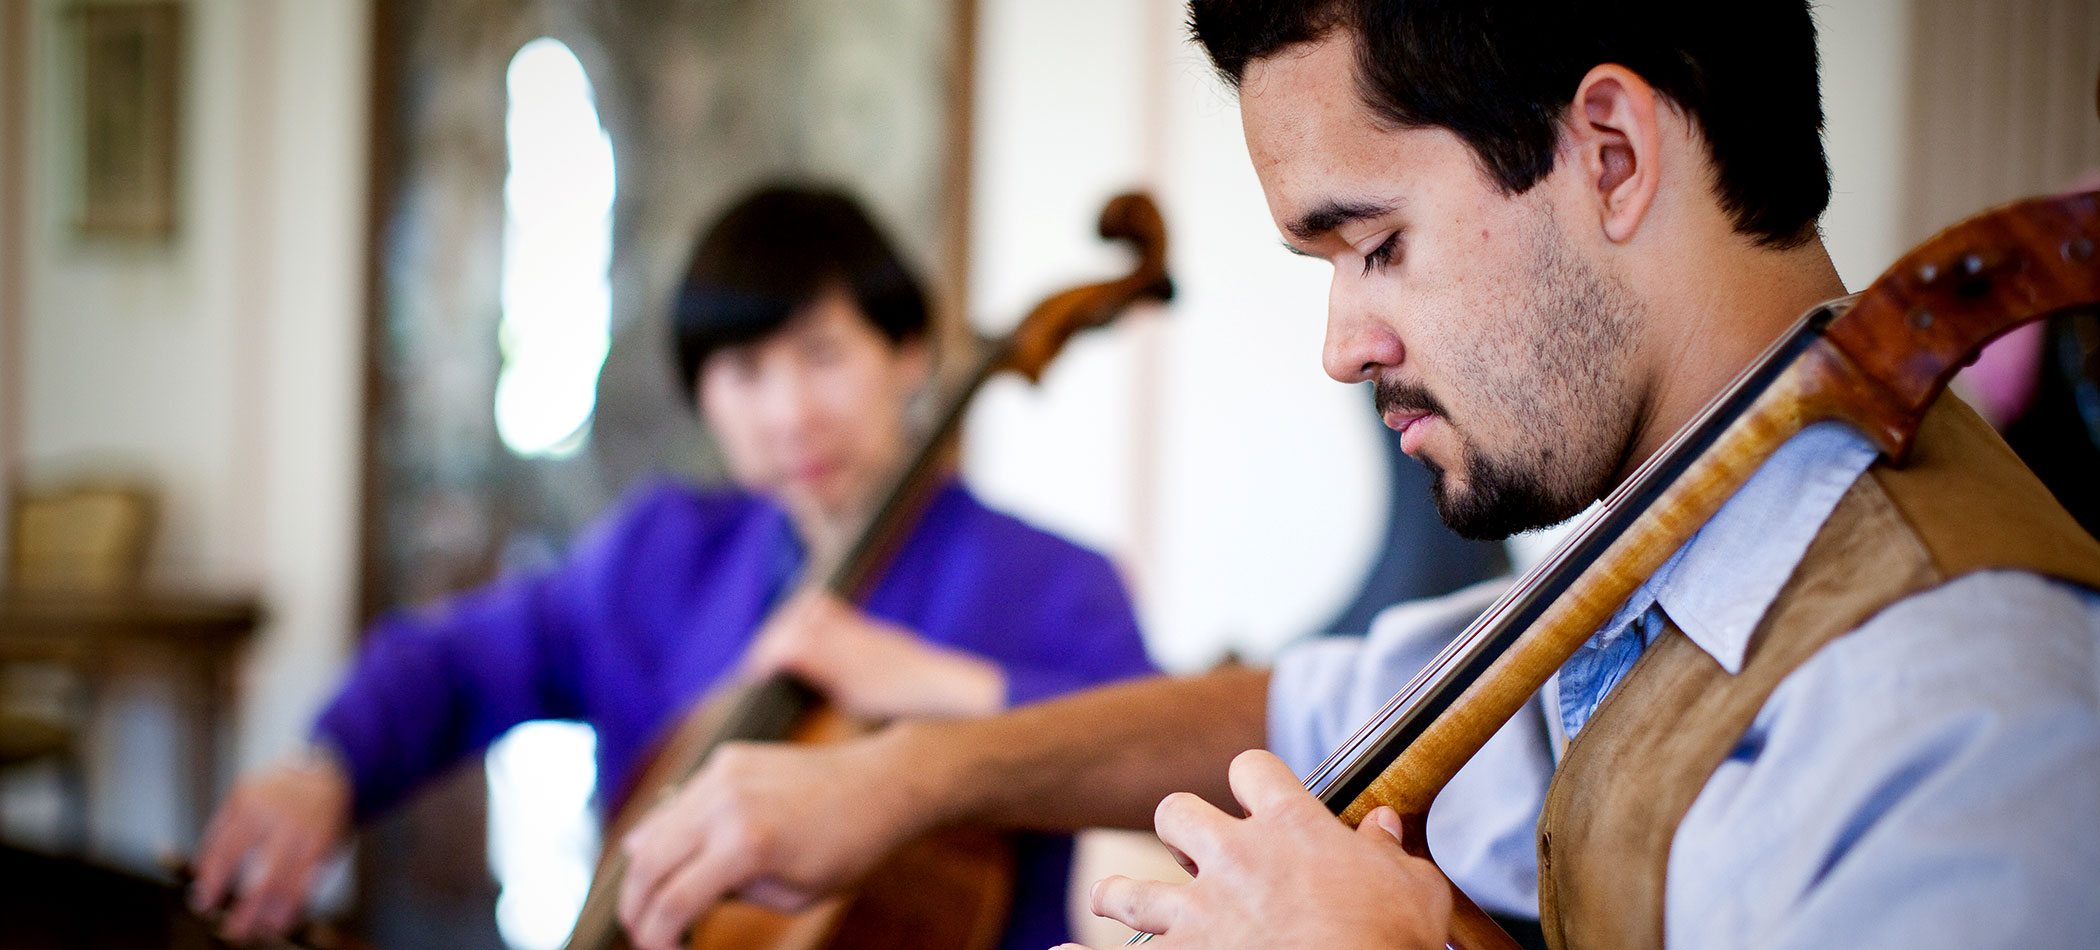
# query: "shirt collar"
[1720,584]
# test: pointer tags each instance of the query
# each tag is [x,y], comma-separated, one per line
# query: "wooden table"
[199,636]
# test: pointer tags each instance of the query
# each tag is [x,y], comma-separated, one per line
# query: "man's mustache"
[1392,396]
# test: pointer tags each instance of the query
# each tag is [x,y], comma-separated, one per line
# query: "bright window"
[543,838]
[557,244]
[557,308]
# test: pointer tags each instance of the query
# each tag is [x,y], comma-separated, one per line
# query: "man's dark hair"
[1501,74]
[773,253]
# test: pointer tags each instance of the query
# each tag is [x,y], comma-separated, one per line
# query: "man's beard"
[1557,377]
[1500,499]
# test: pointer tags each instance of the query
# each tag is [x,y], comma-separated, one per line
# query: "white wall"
[13,109]
[222,365]
[1865,49]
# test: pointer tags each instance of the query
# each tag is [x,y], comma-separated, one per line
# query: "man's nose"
[1359,343]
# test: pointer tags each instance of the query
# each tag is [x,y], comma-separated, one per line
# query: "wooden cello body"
[949,890]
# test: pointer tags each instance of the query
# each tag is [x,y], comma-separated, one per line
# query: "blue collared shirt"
[1930,779]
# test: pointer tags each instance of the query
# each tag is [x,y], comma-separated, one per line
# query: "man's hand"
[261,849]
[870,668]
[776,825]
[1287,875]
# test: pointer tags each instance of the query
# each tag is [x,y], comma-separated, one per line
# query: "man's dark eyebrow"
[1334,214]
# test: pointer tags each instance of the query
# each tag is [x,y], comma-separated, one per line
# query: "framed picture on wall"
[130,77]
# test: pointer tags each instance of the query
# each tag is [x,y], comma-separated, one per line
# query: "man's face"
[1498,349]
[813,415]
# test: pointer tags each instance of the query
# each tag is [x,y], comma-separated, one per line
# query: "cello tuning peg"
[1977,262]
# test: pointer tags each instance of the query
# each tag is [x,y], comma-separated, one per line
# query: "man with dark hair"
[1858,707]
[801,338]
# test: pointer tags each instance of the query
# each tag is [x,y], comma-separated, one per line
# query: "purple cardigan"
[656,604]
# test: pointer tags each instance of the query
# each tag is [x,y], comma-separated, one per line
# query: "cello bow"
[783,706]
[1875,360]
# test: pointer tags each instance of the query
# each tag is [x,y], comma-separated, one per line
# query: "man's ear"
[1617,138]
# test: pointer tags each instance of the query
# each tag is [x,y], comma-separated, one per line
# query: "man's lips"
[1411,426]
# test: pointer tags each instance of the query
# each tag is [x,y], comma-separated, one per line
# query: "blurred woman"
[801,336]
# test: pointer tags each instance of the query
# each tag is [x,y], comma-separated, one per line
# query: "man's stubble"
[1552,375]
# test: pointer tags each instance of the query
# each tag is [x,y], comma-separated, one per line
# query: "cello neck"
[1034,342]
[911,489]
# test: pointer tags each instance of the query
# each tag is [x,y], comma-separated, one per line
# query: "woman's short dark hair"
[774,252]
[1500,74]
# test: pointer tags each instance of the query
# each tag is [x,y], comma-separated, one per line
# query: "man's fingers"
[664,916]
[657,846]
[1261,782]
[676,863]
[1147,906]
[1187,863]
[776,895]
[1383,822]
[1192,828]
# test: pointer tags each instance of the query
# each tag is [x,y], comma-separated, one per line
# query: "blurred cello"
[947,891]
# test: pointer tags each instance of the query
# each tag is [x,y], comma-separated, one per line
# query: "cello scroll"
[1930,314]
[1040,335]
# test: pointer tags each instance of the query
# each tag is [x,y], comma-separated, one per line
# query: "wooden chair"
[81,541]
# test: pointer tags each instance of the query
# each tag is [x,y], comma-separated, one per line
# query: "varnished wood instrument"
[943,893]
[1875,361]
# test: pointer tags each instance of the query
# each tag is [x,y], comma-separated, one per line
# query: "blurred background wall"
[220,365]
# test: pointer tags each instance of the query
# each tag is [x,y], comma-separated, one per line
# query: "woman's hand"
[869,668]
[1287,875]
[262,847]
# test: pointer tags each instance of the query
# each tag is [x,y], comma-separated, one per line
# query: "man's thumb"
[1382,820]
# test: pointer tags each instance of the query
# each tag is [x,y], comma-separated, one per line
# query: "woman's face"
[814,414]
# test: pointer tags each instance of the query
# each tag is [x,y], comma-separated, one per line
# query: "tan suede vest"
[1965,503]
